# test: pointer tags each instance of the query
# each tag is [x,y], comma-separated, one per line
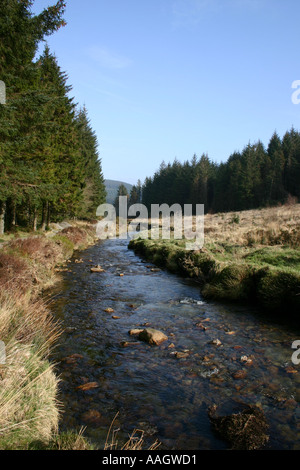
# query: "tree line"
[255,177]
[49,163]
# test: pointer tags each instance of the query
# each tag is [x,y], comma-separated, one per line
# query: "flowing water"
[153,387]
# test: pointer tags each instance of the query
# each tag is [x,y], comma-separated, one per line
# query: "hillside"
[112,189]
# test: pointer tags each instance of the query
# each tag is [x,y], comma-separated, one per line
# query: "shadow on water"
[153,388]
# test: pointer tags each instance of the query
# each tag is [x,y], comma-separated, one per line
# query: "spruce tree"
[20,33]
[94,192]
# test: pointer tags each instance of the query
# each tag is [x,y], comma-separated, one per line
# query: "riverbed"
[226,355]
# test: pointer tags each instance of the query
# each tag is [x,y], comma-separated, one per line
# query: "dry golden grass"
[28,385]
[29,410]
[135,441]
[270,226]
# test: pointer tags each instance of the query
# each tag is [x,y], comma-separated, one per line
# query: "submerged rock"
[216,342]
[240,374]
[246,430]
[126,344]
[88,386]
[182,354]
[210,373]
[152,336]
[97,269]
[109,310]
[135,331]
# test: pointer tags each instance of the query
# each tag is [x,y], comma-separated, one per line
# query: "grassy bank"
[29,410]
[250,256]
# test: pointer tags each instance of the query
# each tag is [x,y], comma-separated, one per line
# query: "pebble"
[181,355]
[88,386]
[246,359]
[216,342]
[135,331]
[291,370]
[97,269]
[210,373]
[240,374]
[125,344]
[203,328]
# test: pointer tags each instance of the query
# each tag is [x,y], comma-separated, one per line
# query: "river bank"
[29,409]
[250,256]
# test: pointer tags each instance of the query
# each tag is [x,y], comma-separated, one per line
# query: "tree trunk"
[48,215]
[2,217]
[44,215]
[34,219]
[13,218]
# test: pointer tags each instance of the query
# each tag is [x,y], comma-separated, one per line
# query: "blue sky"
[173,78]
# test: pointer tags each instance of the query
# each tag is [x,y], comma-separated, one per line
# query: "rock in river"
[97,269]
[88,386]
[152,336]
[135,331]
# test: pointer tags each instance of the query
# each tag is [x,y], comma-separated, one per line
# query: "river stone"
[135,331]
[125,344]
[152,336]
[97,269]
[88,386]
[181,355]
[240,374]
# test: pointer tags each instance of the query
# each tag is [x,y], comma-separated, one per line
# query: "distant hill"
[112,187]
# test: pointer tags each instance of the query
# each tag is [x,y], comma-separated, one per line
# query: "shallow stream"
[165,390]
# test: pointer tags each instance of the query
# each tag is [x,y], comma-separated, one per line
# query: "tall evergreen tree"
[122,191]
[61,162]
[20,33]
[94,192]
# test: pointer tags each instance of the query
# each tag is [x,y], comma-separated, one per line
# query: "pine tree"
[20,33]
[134,196]
[94,192]
[276,155]
[291,151]
[122,191]
[61,161]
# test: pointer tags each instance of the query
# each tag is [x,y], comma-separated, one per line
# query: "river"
[154,388]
